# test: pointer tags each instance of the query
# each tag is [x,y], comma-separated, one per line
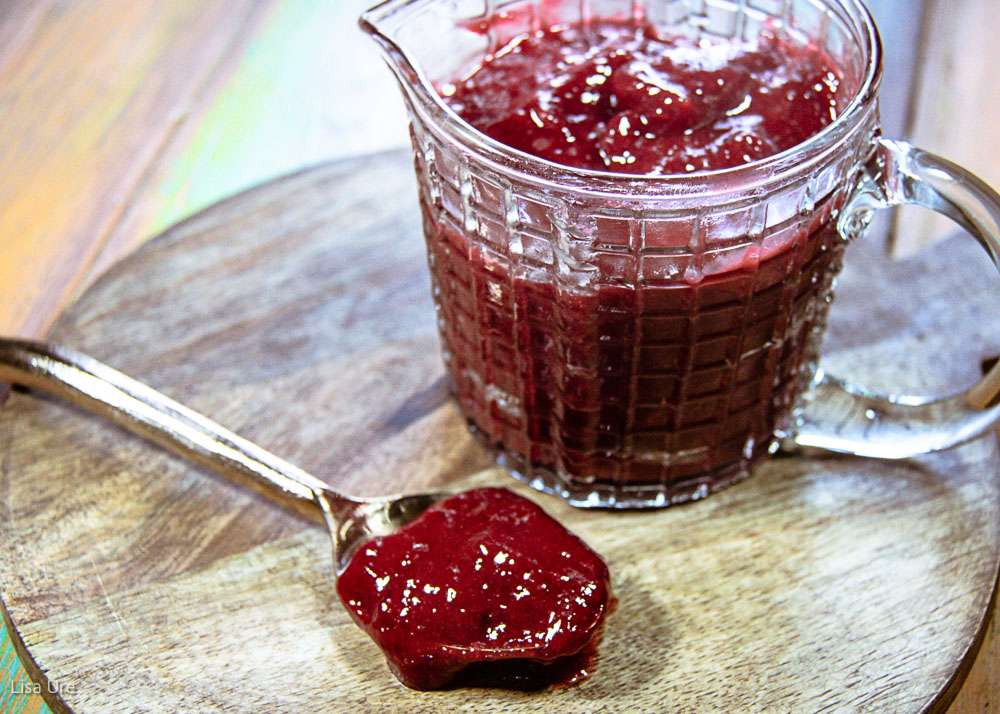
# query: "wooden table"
[119,118]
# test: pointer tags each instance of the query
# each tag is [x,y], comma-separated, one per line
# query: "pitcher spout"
[428,42]
[384,23]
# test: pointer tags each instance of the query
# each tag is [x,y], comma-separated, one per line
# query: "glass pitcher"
[635,341]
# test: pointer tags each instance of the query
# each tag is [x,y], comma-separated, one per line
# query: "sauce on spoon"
[485,589]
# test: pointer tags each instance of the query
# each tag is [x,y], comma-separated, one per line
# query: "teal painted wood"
[16,687]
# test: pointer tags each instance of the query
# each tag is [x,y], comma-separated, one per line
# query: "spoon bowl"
[102,390]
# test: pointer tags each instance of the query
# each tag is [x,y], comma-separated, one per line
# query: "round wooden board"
[298,314]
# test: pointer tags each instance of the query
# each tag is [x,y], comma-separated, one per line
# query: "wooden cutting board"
[298,314]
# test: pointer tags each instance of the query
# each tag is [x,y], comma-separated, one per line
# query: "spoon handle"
[98,388]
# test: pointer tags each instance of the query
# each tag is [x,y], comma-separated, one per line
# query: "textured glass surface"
[610,351]
[624,341]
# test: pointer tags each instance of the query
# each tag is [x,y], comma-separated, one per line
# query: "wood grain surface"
[93,135]
[298,315]
[956,90]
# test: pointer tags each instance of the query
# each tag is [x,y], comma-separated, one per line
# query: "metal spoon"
[98,388]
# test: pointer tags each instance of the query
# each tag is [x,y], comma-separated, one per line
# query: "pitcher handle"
[837,415]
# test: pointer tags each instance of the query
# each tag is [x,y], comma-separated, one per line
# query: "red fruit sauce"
[615,97]
[484,588]
[632,382]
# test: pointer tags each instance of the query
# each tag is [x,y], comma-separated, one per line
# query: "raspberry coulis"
[613,96]
[644,377]
[484,588]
